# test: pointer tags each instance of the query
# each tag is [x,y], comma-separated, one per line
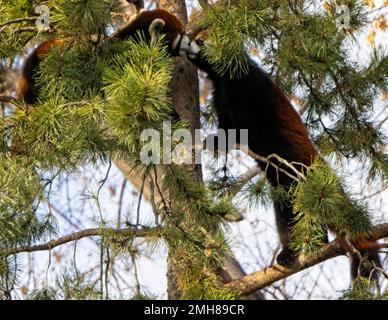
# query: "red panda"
[26,86]
[254,102]
[147,21]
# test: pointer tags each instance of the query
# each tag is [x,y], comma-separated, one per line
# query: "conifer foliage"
[98,95]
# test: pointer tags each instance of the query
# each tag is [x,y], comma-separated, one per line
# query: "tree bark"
[263,278]
[185,101]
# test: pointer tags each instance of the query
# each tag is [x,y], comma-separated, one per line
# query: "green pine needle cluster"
[205,289]
[79,18]
[363,289]
[9,275]
[69,285]
[246,21]
[319,202]
[12,37]
[20,192]
[60,135]
[72,71]
[258,193]
[141,72]
[193,232]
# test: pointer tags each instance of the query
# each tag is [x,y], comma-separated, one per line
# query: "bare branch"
[17,21]
[6,99]
[130,232]
[28,29]
[263,278]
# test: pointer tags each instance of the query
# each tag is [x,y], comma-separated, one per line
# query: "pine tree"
[99,95]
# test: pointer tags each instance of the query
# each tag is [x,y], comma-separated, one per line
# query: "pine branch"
[129,232]
[28,29]
[263,278]
[17,21]
[6,99]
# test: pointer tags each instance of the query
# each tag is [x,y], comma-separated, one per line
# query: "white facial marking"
[175,43]
[155,25]
[193,50]
[185,44]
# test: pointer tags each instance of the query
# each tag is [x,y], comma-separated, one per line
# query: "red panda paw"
[286,258]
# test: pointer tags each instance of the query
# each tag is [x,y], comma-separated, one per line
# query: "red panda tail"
[366,261]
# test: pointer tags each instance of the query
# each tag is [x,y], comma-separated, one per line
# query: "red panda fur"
[254,102]
[26,86]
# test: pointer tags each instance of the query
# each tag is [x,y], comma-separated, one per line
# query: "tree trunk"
[185,101]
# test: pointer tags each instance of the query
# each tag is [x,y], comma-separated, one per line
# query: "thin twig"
[7,99]
[140,199]
[7,23]
[121,202]
[299,176]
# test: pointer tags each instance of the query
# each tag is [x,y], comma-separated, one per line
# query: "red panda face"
[192,44]
[191,47]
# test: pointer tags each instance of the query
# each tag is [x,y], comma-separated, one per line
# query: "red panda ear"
[155,25]
[175,43]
